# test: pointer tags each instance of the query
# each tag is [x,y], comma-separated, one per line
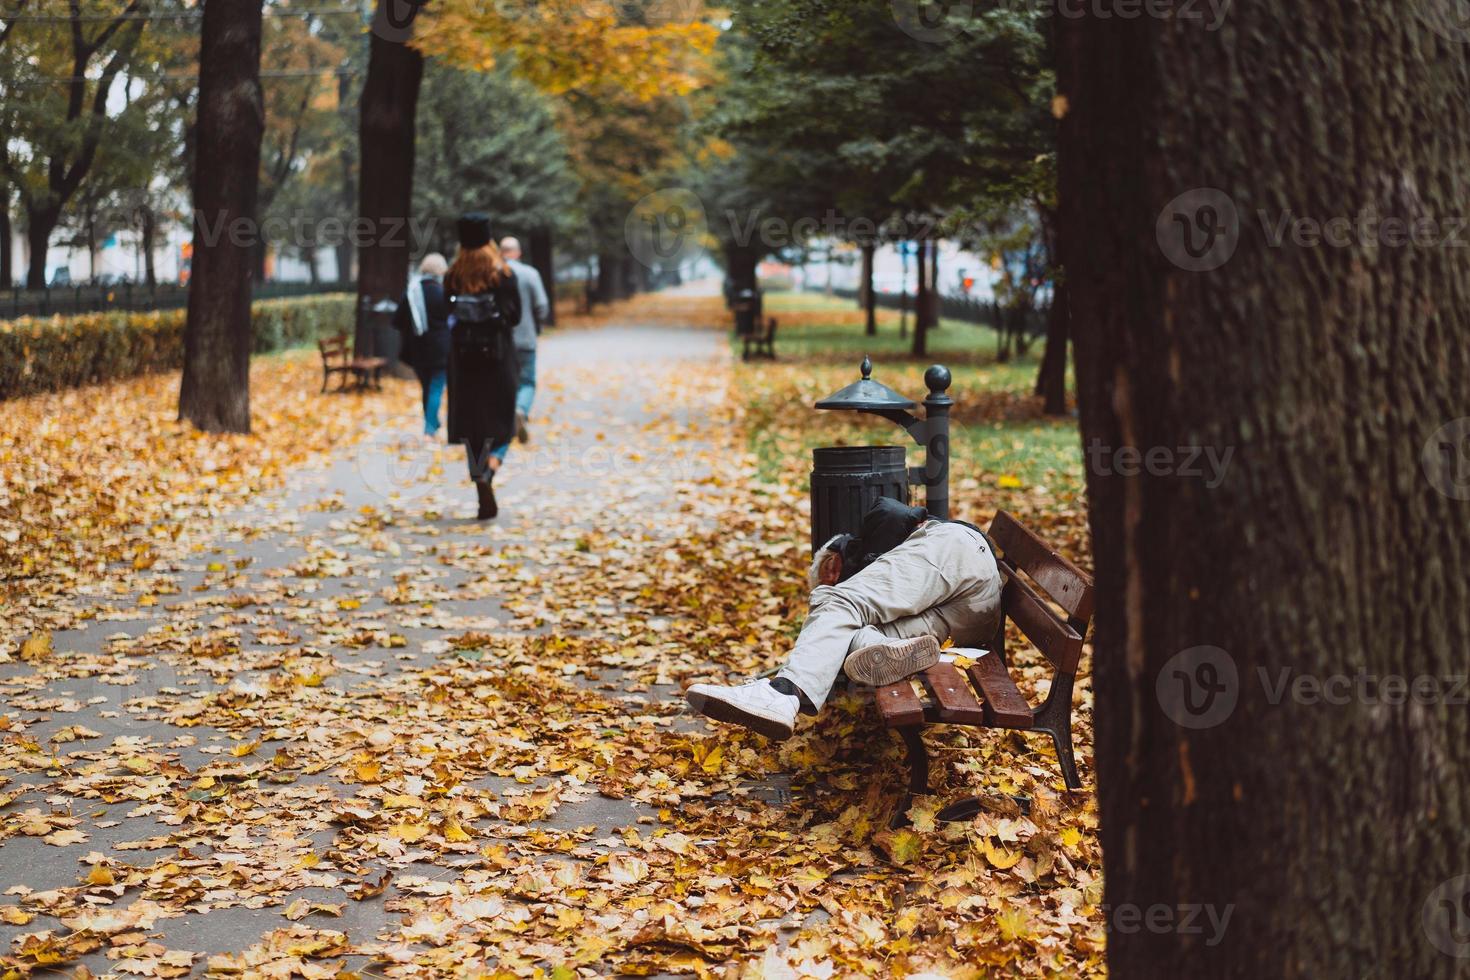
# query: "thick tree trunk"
[867,295]
[1262,614]
[40,223]
[921,303]
[215,392]
[543,257]
[741,262]
[1051,380]
[607,277]
[390,98]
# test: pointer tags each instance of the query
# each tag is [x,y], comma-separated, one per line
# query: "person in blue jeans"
[423,320]
[535,309]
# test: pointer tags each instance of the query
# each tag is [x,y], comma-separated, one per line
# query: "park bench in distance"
[763,342]
[950,697]
[337,358]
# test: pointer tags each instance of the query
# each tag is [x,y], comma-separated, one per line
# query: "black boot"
[488,507]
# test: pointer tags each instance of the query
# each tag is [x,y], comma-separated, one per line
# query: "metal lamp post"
[931,431]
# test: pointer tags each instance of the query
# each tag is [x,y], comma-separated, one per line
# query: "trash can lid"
[866,395]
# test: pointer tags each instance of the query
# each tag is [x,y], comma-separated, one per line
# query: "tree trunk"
[867,295]
[740,265]
[147,230]
[1260,614]
[343,247]
[921,304]
[40,223]
[215,393]
[543,257]
[607,277]
[7,268]
[1051,380]
[390,97]
[934,298]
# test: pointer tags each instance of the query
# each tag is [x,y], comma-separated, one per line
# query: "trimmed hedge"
[52,353]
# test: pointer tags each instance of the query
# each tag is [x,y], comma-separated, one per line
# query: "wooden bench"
[985,695]
[338,358]
[763,342]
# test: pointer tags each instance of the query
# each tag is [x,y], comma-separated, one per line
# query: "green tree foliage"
[488,141]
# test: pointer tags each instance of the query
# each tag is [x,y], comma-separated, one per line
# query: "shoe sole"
[730,714]
[884,664]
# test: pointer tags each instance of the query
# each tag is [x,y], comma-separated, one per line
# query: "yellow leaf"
[1000,857]
[1071,837]
[455,833]
[899,846]
[101,875]
[1009,481]
[15,916]
[244,749]
[37,646]
[410,833]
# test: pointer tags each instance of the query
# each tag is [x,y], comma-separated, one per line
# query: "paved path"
[163,766]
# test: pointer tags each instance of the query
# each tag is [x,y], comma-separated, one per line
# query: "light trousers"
[941,581]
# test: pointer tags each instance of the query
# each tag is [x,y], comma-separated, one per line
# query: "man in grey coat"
[535,308]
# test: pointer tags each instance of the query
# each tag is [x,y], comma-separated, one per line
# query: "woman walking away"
[485,305]
[423,320]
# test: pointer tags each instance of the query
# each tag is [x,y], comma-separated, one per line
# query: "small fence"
[984,313]
[136,297]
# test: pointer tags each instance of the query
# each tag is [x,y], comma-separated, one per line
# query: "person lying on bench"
[881,604]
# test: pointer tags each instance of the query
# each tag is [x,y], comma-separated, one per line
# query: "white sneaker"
[756,705]
[889,663]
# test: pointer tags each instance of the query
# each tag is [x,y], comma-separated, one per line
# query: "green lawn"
[1005,451]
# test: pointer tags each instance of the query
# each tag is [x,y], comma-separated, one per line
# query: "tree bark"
[607,277]
[215,392]
[390,97]
[1051,380]
[1331,824]
[543,257]
[867,295]
[7,268]
[921,303]
[147,229]
[40,224]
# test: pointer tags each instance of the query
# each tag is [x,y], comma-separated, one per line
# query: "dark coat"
[428,353]
[483,374]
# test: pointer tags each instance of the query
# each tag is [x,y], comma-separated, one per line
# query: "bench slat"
[957,703]
[1062,580]
[899,705]
[1061,644]
[1004,705]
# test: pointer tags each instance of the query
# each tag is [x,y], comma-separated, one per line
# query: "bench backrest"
[334,346]
[1059,639]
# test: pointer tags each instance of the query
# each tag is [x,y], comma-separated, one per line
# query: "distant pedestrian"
[485,304]
[423,320]
[535,310]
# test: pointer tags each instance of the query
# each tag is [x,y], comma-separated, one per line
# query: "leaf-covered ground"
[275,706]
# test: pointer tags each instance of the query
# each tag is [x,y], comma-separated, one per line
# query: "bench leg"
[918,761]
[1055,718]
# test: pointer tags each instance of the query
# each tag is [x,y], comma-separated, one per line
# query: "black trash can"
[845,482]
[747,310]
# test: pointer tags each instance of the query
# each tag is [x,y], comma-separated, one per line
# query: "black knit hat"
[474,230]
[886,525]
